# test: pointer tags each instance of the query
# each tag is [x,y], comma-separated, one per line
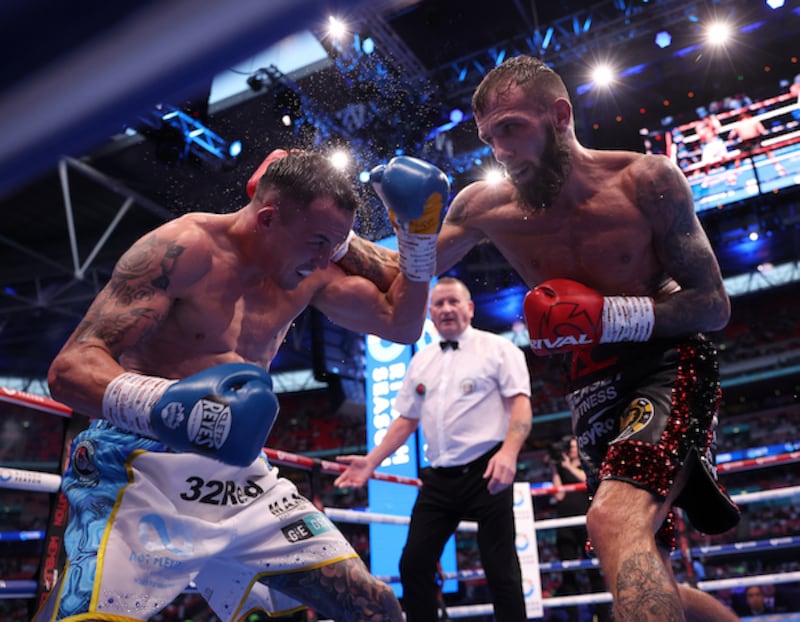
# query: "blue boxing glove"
[414,193]
[225,412]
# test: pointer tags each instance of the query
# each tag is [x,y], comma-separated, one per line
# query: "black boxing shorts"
[646,414]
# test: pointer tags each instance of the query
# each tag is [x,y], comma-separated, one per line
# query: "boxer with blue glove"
[225,412]
[167,484]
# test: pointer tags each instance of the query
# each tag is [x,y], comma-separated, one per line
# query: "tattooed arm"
[360,304]
[373,262]
[133,304]
[683,249]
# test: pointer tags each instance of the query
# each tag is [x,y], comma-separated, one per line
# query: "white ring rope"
[36,481]
[364,518]
[27,589]
[48,482]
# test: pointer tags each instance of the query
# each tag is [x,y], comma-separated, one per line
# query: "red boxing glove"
[564,316]
[252,183]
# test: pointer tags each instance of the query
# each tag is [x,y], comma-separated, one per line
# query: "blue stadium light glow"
[632,71]
[751,27]
[548,36]
[747,248]
[775,4]
[363,177]
[685,51]
[663,39]
[235,148]
[368,46]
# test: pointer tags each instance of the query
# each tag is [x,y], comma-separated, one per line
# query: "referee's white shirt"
[458,395]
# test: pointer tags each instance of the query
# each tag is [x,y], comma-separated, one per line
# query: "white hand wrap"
[341,250]
[129,399]
[417,254]
[627,318]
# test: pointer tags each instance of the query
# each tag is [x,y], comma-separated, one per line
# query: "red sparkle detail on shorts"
[695,400]
[646,465]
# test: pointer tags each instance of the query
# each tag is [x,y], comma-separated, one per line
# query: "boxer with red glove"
[225,412]
[564,316]
[414,193]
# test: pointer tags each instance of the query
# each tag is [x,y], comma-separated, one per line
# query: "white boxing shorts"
[713,150]
[145,523]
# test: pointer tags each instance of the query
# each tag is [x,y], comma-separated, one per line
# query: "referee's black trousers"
[448,496]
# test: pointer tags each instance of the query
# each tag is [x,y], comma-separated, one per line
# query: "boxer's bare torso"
[202,295]
[220,312]
[206,289]
[602,230]
[748,129]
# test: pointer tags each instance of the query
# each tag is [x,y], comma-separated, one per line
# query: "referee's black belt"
[463,469]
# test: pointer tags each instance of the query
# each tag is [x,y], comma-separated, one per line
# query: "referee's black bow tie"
[448,344]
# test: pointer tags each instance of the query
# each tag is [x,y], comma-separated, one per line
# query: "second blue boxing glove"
[225,412]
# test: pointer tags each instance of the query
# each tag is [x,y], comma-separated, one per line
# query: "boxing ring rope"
[21,479]
[284,458]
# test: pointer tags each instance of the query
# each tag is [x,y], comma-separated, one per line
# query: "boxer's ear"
[266,215]
[562,114]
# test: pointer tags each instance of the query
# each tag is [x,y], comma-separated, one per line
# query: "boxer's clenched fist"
[564,315]
[225,412]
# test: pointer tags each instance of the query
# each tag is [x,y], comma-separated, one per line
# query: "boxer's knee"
[620,513]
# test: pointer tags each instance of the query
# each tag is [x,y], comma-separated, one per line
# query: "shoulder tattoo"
[145,268]
[125,303]
[457,213]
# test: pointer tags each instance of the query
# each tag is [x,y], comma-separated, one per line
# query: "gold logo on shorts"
[636,416]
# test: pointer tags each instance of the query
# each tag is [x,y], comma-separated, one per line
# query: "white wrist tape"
[129,399]
[341,250]
[627,318]
[417,255]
